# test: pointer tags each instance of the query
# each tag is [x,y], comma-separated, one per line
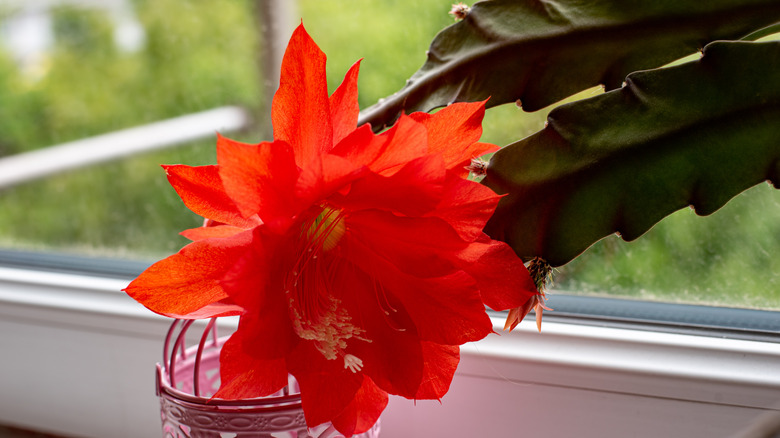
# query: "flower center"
[326,229]
[313,291]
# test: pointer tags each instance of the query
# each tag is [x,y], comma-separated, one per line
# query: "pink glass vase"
[188,377]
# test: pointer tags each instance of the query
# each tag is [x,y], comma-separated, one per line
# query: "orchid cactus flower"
[356,261]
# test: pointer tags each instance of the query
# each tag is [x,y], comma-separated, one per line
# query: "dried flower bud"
[478,167]
[459,11]
[541,272]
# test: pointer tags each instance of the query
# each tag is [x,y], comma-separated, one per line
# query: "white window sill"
[78,358]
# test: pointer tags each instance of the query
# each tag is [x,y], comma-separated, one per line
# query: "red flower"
[356,261]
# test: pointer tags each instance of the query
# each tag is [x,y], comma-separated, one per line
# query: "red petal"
[454,132]
[268,332]
[466,206]
[201,233]
[202,192]
[324,175]
[186,284]
[363,411]
[446,308]
[501,276]
[387,152]
[301,109]
[259,178]
[414,190]
[245,376]
[255,283]
[344,106]
[516,315]
[254,279]
[439,365]
[393,357]
[421,247]
[326,387]
[360,146]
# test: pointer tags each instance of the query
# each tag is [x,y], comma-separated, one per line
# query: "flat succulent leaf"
[696,134]
[541,51]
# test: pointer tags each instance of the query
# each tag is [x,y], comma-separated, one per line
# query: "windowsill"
[78,357]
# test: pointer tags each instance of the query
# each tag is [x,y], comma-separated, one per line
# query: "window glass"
[69,71]
[729,258]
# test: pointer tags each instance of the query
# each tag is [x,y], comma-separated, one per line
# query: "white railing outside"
[41,163]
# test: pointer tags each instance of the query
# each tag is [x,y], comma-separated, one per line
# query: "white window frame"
[77,358]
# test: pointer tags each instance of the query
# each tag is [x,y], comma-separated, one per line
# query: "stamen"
[316,311]
[354,363]
[386,307]
[381,298]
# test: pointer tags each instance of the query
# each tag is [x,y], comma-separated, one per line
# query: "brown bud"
[478,167]
[459,11]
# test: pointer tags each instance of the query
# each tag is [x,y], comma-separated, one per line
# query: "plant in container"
[359,256]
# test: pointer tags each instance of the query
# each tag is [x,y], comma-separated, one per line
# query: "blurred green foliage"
[729,258]
[202,54]
[193,59]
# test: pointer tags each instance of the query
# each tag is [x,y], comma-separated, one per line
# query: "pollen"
[329,329]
